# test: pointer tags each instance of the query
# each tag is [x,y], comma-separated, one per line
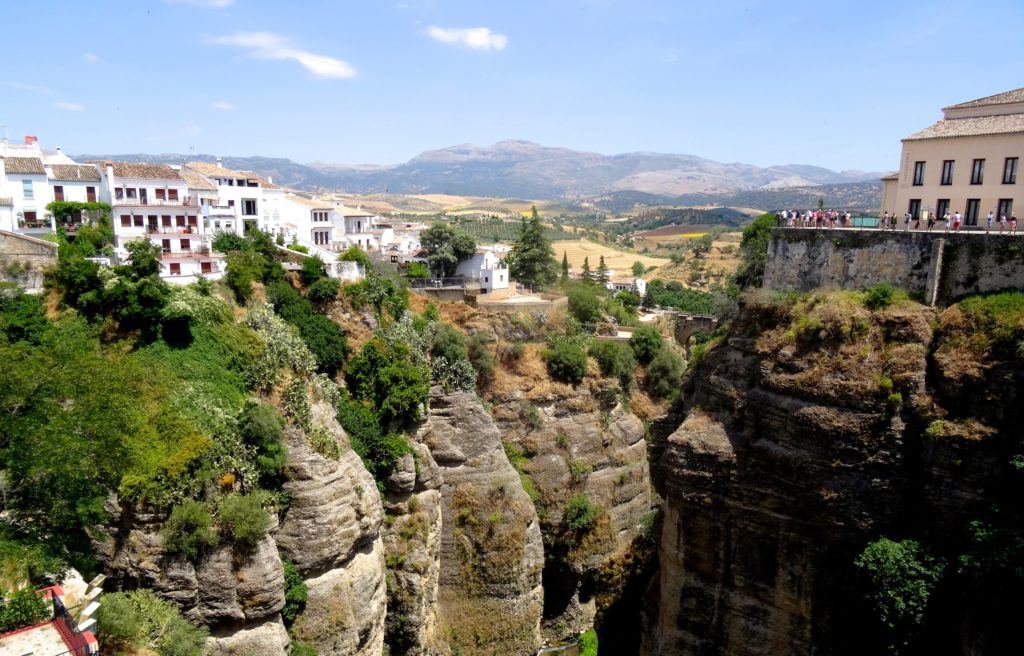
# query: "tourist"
[885,220]
[892,222]
[945,219]
[1002,223]
[906,221]
[1013,224]
[989,225]
[931,221]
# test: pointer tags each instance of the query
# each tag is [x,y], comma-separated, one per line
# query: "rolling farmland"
[620,261]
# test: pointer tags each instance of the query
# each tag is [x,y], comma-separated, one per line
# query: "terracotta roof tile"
[197,181]
[1005,98]
[141,170]
[252,175]
[73,172]
[311,203]
[972,127]
[31,165]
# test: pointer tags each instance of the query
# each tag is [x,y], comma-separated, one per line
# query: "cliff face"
[574,442]
[491,554]
[331,531]
[810,432]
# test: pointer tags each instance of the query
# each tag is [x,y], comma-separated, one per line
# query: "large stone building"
[967,162]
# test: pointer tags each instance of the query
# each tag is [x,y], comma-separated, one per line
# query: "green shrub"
[243,520]
[323,337]
[379,451]
[754,251]
[579,470]
[615,359]
[878,297]
[313,269]
[22,318]
[295,592]
[141,622]
[23,608]
[567,363]
[323,290]
[430,312]
[584,304]
[665,373]
[588,643]
[417,270]
[579,514]
[298,248]
[355,254]
[900,577]
[935,429]
[448,343]
[482,360]
[262,427]
[645,342]
[187,532]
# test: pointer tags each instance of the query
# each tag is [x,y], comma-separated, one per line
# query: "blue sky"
[830,83]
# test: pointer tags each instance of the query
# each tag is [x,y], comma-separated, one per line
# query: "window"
[165,245]
[973,210]
[231,203]
[90,194]
[179,221]
[172,194]
[249,206]
[160,194]
[30,217]
[206,267]
[175,268]
[319,216]
[918,174]
[941,208]
[119,193]
[131,193]
[137,220]
[1005,208]
[186,245]
[126,221]
[947,172]
[153,221]
[26,190]
[321,237]
[58,192]
[977,171]
[193,221]
[1010,171]
[914,207]
[165,220]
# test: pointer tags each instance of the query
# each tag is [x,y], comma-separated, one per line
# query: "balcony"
[172,230]
[189,254]
[156,202]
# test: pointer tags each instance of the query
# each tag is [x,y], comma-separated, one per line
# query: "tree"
[754,251]
[565,267]
[584,304]
[665,372]
[645,342]
[144,258]
[532,260]
[313,269]
[355,254]
[567,362]
[586,274]
[638,269]
[446,247]
[602,272]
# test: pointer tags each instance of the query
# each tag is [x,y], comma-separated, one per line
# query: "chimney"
[59,151]
[270,179]
[219,161]
[31,139]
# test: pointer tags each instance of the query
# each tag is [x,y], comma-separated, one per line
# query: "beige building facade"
[968,162]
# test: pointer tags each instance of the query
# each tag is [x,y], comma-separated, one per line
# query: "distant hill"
[524,169]
[862,196]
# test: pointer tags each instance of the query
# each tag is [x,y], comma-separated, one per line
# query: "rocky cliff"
[815,427]
[330,530]
[490,597]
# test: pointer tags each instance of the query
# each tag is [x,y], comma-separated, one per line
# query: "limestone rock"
[266,639]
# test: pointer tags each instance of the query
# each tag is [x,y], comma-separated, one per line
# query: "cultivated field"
[674,231]
[619,260]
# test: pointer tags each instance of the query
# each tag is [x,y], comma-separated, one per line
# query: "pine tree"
[587,275]
[602,273]
[565,267]
[532,260]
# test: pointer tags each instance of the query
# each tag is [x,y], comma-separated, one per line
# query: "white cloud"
[90,57]
[478,38]
[206,4]
[31,88]
[71,107]
[190,130]
[223,104]
[265,45]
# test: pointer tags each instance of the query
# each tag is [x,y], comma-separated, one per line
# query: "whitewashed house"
[488,268]
[24,188]
[153,201]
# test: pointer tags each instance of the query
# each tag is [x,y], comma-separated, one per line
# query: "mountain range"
[525,169]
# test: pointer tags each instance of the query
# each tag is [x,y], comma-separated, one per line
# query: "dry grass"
[620,261]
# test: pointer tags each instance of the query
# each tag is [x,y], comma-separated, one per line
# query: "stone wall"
[936,267]
[23,259]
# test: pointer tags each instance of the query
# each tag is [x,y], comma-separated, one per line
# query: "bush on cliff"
[754,251]
[645,342]
[262,427]
[615,359]
[665,373]
[188,532]
[140,622]
[243,520]
[566,362]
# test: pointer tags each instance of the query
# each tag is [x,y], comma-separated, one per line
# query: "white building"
[488,267]
[24,189]
[242,200]
[153,201]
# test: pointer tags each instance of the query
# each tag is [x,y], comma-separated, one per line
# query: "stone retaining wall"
[23,260]
[937,267]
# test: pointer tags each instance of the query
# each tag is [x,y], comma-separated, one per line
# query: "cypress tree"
[602,273]
[565,267]
[532,260]
[586,270]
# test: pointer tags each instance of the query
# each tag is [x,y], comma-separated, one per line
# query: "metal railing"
[438,283]
[185,254]
[172,230]
[157,202]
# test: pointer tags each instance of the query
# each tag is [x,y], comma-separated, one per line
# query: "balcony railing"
[172,230]
[188,254]
[187,201]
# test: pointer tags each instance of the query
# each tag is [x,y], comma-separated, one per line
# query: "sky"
[832,83]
